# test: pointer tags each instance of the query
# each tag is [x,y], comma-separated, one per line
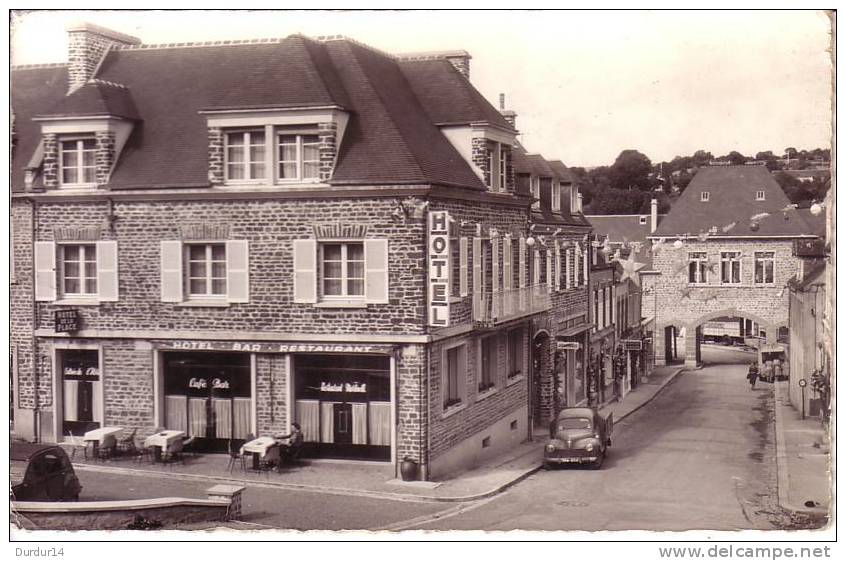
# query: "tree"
[630,170]
[767,156]
[701,158]
[736,158]
[683,180]
[795,190]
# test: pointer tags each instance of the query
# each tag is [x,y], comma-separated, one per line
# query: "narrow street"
[700,456]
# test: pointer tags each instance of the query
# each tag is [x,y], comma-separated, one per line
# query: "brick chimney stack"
[654,215]
[87,44]
[459,59]
[509,116]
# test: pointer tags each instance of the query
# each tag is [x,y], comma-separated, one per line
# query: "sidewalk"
[803,457]
[378,480]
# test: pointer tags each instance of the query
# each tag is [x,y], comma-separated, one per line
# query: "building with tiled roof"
[232,237]
[726,249]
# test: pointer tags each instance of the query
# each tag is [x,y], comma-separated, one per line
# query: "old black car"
[41,472]
[578,435]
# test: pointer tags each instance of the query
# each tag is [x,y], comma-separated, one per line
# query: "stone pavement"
[803,457]
[376,480]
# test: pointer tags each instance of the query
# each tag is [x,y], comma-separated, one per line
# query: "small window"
[697,268]
[77,161]
[556,196]
[454,371]
[515,353]
[206,270]
[79,270]
[299,156]
[730,267]
[245,153]
[704,196]
[487,372]
[342,270]
[643,220]
[760,196]
[535,181]
[764,267]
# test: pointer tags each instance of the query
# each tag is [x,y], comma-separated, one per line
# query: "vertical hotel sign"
[439,268]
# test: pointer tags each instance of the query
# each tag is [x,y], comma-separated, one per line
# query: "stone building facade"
[321,250]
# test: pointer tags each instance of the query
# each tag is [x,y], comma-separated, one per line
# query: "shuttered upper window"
[205,272]
[87,271]
[340,272]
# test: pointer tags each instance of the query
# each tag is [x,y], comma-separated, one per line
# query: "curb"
[352,492]
[783,479]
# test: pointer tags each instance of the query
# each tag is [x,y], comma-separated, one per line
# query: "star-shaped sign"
[630,269]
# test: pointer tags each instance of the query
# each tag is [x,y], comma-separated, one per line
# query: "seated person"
[295,442]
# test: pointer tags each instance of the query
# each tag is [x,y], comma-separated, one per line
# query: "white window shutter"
[376,271]
[549,269]
[477,266]
[494,264]
[521,259]
[507,275]
[585,266]
[576,265]
[567,268]
[613,305]
[45,271]
[305,271]
[462,267]
[107,271]
[238,271]
[171,271]
[536,270]
[557,272]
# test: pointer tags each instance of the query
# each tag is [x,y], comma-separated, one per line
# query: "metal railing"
[492,308]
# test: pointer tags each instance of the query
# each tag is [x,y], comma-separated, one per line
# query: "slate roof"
[732,201]
[621,228]
[540,166]
[392,136]
[561,171]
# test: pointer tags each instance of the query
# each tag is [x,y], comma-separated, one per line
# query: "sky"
[585,84]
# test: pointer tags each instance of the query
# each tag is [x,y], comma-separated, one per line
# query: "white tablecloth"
[259,446]
[165,439]
[104,436]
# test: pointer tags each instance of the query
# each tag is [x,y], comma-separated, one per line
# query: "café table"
[168,440]
[104,437]
[262,448]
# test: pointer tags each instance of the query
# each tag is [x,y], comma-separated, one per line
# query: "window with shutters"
[77,161]
[205,270]
[342,270]
[78,270]
[245,155]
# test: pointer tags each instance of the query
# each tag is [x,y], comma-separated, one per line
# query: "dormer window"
[299,156]
[556,196]
[704,196]
[643,220]
[574,199]
[502,166]
[535,183]
[760,196]
[245,155]
[77,161]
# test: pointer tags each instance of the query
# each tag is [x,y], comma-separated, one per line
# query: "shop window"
[697,268]
[342,270]
[205,273]
[245,155]
[84,273]
[454,372]
[764,267]
[80,390]
[730,267]
[206,270]
[77,161]
[515,353]
[488,348]
[299,156]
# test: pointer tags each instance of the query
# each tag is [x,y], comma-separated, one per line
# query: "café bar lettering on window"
[66,320]
[439,268]
[262,347]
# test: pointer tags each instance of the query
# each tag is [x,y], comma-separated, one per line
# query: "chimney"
[509,116]
[460,60]
[87,44]
[579,203]
[654,224]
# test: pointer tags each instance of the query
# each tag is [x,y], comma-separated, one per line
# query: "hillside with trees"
[628,185]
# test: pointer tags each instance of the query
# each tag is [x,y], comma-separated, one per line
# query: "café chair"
[235,457]
[126,445]
[76,443]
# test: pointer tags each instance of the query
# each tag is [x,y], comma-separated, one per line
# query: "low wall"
[224,503]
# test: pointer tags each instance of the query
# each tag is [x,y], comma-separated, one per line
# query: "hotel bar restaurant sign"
[439,268]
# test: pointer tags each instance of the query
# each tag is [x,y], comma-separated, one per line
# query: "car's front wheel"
[597,463]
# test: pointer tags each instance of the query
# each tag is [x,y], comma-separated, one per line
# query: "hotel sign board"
[439,268]
[272,347]
[632,344]
[66,321]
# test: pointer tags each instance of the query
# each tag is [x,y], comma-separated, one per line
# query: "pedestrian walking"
[752,376]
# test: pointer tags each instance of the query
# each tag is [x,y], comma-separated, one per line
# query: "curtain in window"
[308,417]
[71,395]
[96,402]
[380,423]
[176,412]
[241,417]
[197,421]
[223,416]
[327,422]
[359,423]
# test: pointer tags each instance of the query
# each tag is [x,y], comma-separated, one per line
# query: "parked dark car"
[578,435]
[41,472]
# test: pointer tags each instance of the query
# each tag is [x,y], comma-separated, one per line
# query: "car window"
[52,463]
[574,423]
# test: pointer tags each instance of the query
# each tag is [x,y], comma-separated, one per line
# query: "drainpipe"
[424,391]
[36,400]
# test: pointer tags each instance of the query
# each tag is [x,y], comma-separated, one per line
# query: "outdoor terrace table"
[263,447]
[104,437]
[168,440]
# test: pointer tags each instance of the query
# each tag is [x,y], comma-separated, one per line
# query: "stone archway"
[693,331]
